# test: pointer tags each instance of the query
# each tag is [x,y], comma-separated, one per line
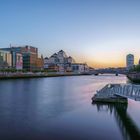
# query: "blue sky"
[99,32]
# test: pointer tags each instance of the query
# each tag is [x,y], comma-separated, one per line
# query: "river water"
[60,108]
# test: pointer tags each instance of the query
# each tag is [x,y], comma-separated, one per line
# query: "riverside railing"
[124,90]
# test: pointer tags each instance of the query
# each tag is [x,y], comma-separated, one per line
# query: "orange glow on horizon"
[106,63]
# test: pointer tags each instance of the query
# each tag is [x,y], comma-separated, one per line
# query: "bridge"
[118,92]
[108,71]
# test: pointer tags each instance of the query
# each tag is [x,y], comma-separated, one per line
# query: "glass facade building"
[28,57]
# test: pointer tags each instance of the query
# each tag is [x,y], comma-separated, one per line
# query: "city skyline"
[100,33]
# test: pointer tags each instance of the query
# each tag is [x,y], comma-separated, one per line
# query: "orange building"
[40,63]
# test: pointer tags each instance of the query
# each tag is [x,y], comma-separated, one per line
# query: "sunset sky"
[99,32]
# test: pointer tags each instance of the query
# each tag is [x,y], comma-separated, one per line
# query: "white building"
[59,61]
[80,68]
[62,63]
[129,61]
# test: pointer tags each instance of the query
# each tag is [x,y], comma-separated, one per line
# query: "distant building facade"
[5,59]
[30,55]
[80,68]
[40,63]
[129,61]
[24,57]
[59,62]
[62,63]
[19,61]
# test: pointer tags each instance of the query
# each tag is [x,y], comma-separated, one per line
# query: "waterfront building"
[129,61]
[28,56]
[80,68]
[5,59]
[17,60]
[62,63]
[59,62]
[40,63]
[46,65]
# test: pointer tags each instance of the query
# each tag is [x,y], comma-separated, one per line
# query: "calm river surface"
[60,108]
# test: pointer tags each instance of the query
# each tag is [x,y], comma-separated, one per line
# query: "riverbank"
[22,76]
[134,77]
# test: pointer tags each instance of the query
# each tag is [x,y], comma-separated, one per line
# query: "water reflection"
[126,125]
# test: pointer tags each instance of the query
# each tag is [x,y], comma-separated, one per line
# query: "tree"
[135,69]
